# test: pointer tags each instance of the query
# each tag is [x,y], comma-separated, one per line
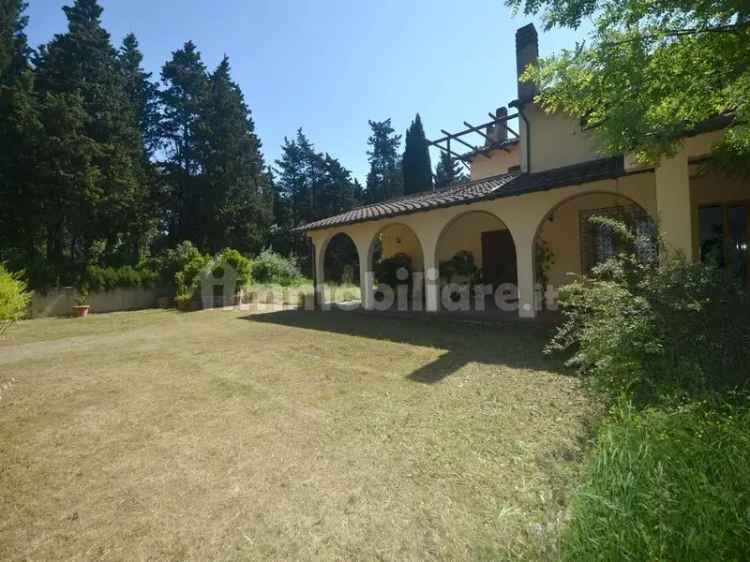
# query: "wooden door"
[498,258]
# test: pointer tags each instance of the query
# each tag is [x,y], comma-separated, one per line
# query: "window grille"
[599,242]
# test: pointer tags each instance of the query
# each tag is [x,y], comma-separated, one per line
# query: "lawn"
[283,436]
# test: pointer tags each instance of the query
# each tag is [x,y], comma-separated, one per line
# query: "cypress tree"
[19,122]
[238,197]
[417,168]
[142,93]
[185,94]
[14,48]
[105,219]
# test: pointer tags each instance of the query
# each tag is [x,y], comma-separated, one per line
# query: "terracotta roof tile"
[505,185]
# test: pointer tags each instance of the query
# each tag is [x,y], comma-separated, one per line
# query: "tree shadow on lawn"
[517,345]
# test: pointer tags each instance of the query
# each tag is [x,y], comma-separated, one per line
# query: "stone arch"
[559,235]
[399,235]
[340,259]
[391,240]
[465,231]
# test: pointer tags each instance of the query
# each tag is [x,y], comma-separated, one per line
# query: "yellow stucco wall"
[465,233]
[522,215]
[556,140]
[398,239]
[671,192]
[563,233]
[499,162]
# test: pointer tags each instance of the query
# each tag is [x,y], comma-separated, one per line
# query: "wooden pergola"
[499,119]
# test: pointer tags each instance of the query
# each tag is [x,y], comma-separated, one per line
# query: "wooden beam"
[473,148]
[473,129]
[478,130]
[444,149]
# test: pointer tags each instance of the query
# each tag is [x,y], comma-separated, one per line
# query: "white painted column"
[366,278]
[431,288]
[320,248]
[673,202]
[524,241]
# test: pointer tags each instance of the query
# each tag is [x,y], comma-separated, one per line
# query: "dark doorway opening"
[498,258]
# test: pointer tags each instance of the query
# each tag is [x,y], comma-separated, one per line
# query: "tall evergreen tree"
[105,219]
[310,185]
[14,48]
[384,180]
[417,167]
[142,93]
[448,171]
[19,123]
[238,197]
[185,94]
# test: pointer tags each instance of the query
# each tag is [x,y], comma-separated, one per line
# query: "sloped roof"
[505,185]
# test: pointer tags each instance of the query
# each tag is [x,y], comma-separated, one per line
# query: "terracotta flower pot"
[81,310]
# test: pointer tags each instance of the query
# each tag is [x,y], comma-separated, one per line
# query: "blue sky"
[329,66]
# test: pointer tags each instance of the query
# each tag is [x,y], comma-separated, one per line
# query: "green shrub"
[98,278]
[270,267]
[148,276]
[14,298]
[178,268]
[240,264]
[666,485]
[656,330]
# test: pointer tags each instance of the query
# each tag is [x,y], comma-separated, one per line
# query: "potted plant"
[81,306]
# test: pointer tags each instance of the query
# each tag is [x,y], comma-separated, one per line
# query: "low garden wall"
[58,302]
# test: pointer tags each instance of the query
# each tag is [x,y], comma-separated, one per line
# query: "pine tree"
[417,167]
[448,171]
[310,185]
[384,180]
[106,221]
[142,93]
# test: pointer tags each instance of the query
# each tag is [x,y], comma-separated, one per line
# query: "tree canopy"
[385,179]
[310,185]
[103,167]
[652,72]
[448,171]
[14,48]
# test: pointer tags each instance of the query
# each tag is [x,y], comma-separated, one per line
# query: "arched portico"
[522,216]
[340,268]
[395,248]
[568,244]
[322,242]
[476,249]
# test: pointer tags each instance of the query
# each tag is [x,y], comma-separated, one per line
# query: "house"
[523,217]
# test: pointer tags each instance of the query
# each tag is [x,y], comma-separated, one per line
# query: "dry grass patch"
[285,436]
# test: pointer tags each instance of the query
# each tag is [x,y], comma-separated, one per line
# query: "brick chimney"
[498,133]
[527,52]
